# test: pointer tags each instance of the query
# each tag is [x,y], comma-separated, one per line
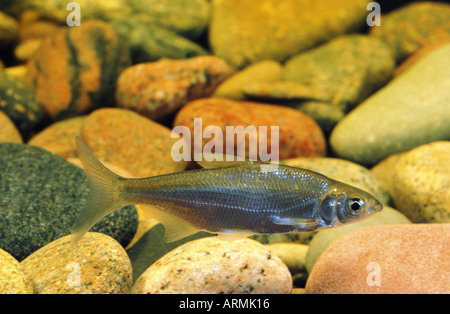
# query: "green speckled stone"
[411,110]
[12,279]
[75,70]
[283,91]
[97,264]
[414,26]
[346,69]
[325,114]
[40,197]
[149,41]
[189,19]
[18,100]
[90,9]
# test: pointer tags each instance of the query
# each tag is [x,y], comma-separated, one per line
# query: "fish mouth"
[375,207]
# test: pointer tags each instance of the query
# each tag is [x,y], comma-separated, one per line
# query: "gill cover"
[327,209]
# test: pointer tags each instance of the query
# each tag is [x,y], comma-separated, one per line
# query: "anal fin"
[231,235]
[175,228]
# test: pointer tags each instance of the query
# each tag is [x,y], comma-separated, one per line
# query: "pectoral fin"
[292,221]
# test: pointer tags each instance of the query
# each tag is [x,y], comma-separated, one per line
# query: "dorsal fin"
[209,161]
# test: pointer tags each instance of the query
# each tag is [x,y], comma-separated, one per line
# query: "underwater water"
[336,109]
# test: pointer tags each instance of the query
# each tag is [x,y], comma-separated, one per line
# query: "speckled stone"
[12,279]
[32,27]
[414,26]
[291,254]
[344,171]
[18,100]
[262,71]
[346,69]
[283,91]
[418,181]
[421,183]
[300,237]
[158,89]
[299,135]
[130,141]
[8,29]
[189,19]
[97,264]
[324,238]
[32,31]
[75,70]
[55,10]
[325,114]
[149,41]
[244,31]
[397,117]
[210,265]
[151,246]
[390,259]
[26,49]
[40,197]
[59,137]
[8,131]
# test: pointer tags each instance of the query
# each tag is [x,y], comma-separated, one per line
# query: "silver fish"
[234,199]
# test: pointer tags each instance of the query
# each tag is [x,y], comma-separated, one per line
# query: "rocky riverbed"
[368,106]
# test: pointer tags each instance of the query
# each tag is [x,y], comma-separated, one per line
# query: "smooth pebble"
[12,279]
[385,259]
[214,266]
[96,265]
[410,111]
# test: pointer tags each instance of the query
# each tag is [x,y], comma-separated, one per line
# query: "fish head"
[344,204]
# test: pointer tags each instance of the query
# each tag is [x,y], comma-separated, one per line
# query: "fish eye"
[354,206]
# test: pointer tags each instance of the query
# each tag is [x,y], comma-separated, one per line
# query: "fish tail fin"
[103,196]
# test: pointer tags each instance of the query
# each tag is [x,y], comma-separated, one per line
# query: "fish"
[233,199]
